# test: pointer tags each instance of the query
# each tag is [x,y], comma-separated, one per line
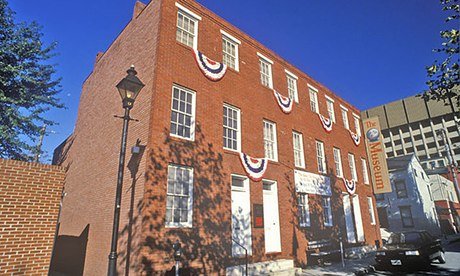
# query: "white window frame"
[274,142]
[298,152]
[344,112]
[326,204]
[365,171]
[292,86]
[314,105]
[330,108]
[266,61]
[192,119]
[352,165]
[231,40]
[189,222]
[238,129]
[321,157]
[356,120]
[338,162]
[370,205]
[303,210]
[193,17]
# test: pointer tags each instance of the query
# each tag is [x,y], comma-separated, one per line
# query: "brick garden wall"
[29,204]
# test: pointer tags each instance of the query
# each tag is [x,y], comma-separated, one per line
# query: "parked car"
[410,248]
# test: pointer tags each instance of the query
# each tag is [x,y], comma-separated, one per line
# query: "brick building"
[30,194]
[188,182]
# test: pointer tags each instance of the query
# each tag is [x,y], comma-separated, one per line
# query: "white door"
[351,236]
[358,219]
[271,217]
[241,216]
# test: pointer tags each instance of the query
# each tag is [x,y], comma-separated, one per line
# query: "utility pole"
[452,164]
[38,148]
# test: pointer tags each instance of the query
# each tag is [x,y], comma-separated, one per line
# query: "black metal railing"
[246,254]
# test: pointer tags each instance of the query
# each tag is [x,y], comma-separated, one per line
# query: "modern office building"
[410,205]
[238,149]
[447,204]
[410,125]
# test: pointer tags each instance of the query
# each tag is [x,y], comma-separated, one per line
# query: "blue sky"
[368,52]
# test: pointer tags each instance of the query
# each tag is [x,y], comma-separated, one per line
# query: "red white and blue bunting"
[254,167]
[350,185]
[285,103]
[356,138]
[326,122]
[213,70]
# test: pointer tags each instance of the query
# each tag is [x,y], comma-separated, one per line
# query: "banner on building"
[376,155]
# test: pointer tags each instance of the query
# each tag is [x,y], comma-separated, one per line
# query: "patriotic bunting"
[326,122]
[285,103]
[356,138]
[254,167]
[211,69]
[350,185]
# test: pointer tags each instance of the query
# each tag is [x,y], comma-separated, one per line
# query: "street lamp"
[129,87]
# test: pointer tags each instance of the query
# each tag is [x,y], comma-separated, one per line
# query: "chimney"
[138,8]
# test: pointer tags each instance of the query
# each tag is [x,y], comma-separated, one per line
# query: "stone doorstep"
[277,267]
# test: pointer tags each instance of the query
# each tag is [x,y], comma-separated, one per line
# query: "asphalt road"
[451,267]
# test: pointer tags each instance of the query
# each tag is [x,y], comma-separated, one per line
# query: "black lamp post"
[129,87]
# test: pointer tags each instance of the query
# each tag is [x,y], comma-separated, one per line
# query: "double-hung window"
[357,126]
[230,50]
[270,144]
[304,210]
[330,108]
[365,172]
[406,216]
[320,157]
[327,211]
[352,164]
[183,113]
[231,128]
[187,27]
[297,141]
[313,99]
[401,189]
[344,111]
[338,162]
[179,196]
[265,71]
[370,205]
[292,86]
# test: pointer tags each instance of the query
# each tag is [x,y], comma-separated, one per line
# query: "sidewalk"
[351,267]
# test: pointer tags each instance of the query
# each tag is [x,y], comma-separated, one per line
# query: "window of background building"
[320,157]
[370,205]
[406,216]
[344,112]
[292,86]
[183,113]
[187,27]
[330,108]
[270,144]
[265,71]
[327,211]
[232,128]
[314,100]
[230,51]
[379,197]
[352,164]
[365,172]
[304,210]
[338,162]
[179,201]
[297,141]
[401,189]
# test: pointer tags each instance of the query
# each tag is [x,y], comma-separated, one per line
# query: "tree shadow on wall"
[207,245]
[69,254]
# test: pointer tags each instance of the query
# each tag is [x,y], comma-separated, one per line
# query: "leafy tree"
[27,86]
[444,75]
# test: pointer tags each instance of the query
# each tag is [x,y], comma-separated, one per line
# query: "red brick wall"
[29,204]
